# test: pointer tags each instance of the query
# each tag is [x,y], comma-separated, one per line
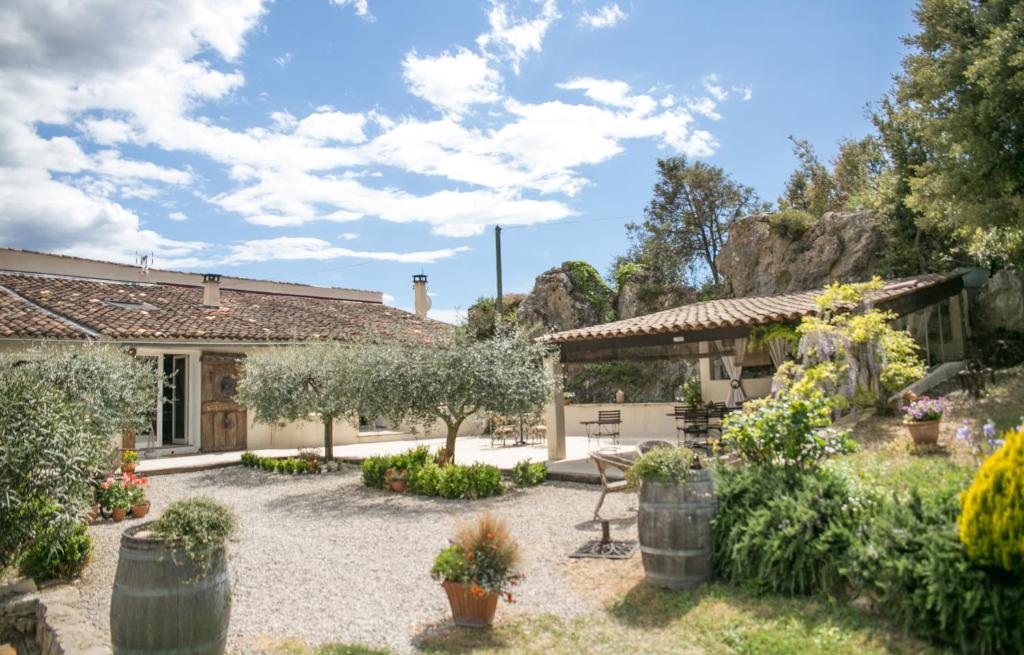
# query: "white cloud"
[611,92]
[323,126]
[607,16]
[177,216]
[452,82]
[387,298]
[348,236]
[746,93]
[361,7]
[283,60]
[262,250]
[712,86]
[455,316]
[513,38]
[107,131]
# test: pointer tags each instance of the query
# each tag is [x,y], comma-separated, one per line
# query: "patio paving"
[575,467]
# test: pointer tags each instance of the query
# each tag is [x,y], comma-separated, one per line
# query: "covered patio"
[733,365]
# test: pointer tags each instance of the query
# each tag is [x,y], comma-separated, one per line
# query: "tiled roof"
[127,311]
[737,312]
[20,318]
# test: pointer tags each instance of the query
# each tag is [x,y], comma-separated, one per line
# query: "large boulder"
[1001,303]
[759,260]
[570,296]
[640,294]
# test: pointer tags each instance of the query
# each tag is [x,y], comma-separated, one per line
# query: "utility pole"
[497,258]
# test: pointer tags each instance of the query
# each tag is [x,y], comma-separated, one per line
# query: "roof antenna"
[144,262]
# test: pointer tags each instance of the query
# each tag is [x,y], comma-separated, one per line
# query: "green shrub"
[912,563]
[690,392]
[661,465]
[199,526]
[454,481]
[792,223]
[484,480]
[992,522]
[482,555]
[374,469]
[789,531]
[424,480]
[527,473]
[60,550]
[250,459]
[790,429]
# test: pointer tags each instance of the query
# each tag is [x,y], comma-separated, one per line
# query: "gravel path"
[324,559]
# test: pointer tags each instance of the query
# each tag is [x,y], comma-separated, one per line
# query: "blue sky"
[356,142]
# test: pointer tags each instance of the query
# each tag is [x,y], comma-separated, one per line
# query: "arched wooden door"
[224,421]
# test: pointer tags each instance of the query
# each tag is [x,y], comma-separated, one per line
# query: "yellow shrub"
[992,520]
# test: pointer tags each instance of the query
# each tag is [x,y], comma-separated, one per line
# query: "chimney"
[211,290]
[419,286]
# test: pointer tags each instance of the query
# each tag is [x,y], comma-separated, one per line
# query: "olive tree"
[289,383]
[60,407]
[451,380]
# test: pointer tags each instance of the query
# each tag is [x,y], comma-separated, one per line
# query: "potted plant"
[568,397]
[117,498]
[184,554]
[674,526]
[128,460]
[397,479]
[140,504]
[923,416]
[477,568]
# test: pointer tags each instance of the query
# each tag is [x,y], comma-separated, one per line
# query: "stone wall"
[47,622]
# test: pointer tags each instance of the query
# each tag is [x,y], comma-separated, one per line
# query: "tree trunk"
[449,444]
[329,438]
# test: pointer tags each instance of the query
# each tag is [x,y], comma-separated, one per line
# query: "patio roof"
[732,317]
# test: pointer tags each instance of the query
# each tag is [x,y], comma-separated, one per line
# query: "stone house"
[196,329]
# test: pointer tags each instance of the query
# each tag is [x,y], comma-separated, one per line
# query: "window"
[168,424]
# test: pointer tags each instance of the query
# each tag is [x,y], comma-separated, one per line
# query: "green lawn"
[716,620]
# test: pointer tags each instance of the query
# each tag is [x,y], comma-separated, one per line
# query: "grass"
[715,620]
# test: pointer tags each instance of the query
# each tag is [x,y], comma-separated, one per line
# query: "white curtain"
[734,369]
[777,350]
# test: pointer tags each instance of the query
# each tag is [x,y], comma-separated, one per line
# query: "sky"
[354,143]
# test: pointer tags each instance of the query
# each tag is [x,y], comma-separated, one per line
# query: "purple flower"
[996,443]
[990,430]
[964,431]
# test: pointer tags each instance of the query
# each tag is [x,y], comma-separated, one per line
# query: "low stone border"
[48,620]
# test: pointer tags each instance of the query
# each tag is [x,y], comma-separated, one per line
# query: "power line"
[561,223]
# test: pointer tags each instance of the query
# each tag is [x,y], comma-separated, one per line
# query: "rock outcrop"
[567,297]
[640,295]
[842,246]
[1001,303]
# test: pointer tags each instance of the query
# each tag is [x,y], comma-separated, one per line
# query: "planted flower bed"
[418,472]
[306,463]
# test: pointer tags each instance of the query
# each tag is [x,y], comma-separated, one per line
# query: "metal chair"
[692,428]
[606,425]
[603,462]
[501,429]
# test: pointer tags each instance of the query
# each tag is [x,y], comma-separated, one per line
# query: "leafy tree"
[962,90]
[451,381]
[59,409]
[849,185]
[687,221]
[290,383]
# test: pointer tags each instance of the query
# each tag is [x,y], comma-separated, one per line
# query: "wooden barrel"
[675,531]
[160,604]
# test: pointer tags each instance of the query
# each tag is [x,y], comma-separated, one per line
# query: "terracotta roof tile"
[736,312]
[20,318]
[126,310]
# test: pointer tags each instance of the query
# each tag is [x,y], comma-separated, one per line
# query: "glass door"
[174,396]
[148,437]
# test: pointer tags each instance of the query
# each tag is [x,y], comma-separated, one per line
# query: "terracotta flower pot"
[468,609]
[128,467]
[118,514]
[140,510]
[397,485]
[924,433]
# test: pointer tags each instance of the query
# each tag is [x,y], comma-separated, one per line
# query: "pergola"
[721,328]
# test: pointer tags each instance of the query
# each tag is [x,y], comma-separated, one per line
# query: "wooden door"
[224,421]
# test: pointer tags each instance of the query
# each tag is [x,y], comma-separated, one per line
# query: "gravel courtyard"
[324,559]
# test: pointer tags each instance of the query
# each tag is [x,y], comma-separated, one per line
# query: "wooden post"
[554,413]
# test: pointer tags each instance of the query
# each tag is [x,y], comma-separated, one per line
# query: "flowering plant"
[130,456]
[482,556]
[987,442]
[123,492]
[923,409]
